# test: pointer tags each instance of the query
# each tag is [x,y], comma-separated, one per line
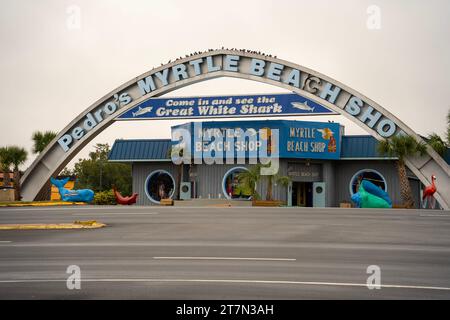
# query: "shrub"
[105,198]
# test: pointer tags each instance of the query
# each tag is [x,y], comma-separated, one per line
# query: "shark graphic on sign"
[142,111]
[302,106]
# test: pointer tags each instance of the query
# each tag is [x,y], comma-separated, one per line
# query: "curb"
[43,204]
[54,226]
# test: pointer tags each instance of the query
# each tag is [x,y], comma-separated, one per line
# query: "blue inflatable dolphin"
[82,195]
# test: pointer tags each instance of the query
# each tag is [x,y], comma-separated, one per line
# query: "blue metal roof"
[360,147]
[353,147]
[140,150]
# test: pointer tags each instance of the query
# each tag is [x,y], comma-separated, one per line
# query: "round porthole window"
[159,185]
[319,190]
[367,174]
[232,188]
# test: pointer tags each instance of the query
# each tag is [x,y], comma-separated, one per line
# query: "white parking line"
[435,215]
[116,213]
[241,281]
[223,258]
[5,241]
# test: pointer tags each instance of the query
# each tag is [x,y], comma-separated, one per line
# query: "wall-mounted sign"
[303,172]
[297,139]
[225,106]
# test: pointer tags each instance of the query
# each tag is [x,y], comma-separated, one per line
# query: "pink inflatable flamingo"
[428,193]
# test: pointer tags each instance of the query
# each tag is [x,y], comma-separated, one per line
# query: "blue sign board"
[297,139]
[225,106]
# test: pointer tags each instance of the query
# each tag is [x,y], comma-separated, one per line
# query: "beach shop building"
[323,164]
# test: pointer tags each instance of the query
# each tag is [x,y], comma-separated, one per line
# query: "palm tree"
[18,157]
[401,147]
[436,142]
[5,163]
[42,139]
[250,180]
[282,180]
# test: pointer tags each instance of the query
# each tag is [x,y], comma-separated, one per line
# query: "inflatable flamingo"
[428,193]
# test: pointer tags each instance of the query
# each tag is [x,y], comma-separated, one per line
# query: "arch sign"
[302,81]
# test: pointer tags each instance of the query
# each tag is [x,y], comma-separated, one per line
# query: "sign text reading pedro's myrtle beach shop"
[193,69]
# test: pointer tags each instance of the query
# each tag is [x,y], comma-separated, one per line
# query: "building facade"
[323,164]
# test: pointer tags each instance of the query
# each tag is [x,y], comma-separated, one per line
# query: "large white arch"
[236,64]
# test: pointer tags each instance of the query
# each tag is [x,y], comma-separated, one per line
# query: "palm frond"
[401,146]
[283,180]
[436,142]
[42,139]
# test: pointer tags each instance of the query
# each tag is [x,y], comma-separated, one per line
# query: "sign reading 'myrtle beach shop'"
[189,71]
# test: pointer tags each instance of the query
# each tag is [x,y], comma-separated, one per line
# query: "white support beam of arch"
[234,64]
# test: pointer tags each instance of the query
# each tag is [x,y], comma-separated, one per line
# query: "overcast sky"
[50,73]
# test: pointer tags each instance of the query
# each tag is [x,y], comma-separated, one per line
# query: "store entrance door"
[302,194]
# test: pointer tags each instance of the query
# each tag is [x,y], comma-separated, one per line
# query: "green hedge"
[105,198]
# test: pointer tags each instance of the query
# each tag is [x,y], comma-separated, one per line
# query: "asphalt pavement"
[227,253]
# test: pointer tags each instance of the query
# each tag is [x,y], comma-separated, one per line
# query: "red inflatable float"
[125,200]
